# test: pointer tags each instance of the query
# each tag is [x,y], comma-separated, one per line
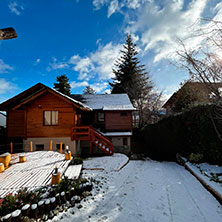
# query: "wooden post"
[2,167]
[22,158]
[51,145]
[61,147]
[11,147]
[56,178]
[68,155]
[30,146]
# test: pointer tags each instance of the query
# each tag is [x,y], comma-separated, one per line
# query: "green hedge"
[185,133]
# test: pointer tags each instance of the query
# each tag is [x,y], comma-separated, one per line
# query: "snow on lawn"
[108,163]
[143,191]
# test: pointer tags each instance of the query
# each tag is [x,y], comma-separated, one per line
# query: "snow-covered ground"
[210,174]
[143,191]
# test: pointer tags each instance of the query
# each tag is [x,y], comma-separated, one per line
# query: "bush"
[196,158]
[9,204]
[24,196]
[184,133]
[76,161]
[14,202]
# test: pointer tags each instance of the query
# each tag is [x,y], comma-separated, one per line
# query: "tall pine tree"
[131,78]
[63,85]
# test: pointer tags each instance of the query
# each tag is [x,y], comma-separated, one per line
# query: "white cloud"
[104,59]
[75,84]
[100,87]
[15,8]
[98,4]
[74,59]
[113,7]
[57,65]
[134,4]
[4,68]
[157,25]
[84,66]
[161,27]
[99,63]
[6,86]
[37,61]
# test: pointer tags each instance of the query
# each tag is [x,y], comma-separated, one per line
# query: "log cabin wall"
[118,121]
[35,116]
[16,123]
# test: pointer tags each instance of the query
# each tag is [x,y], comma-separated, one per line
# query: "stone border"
[47,206]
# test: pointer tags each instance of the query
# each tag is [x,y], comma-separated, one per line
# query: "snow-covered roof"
[105,101]
[118,134]
[72,99]
[2,120]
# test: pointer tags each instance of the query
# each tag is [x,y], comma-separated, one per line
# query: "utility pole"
[7,33]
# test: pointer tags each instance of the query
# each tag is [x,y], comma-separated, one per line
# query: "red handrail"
[91,134]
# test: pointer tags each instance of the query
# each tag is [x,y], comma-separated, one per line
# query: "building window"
[123,114]
[51,118]
[101,116]
[124,141]
[39,147]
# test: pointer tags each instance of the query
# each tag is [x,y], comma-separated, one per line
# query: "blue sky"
[82,39]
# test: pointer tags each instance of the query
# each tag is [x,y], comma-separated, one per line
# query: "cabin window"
[101,116]
[51,118]
[39,147]
[124,141]
[123,114]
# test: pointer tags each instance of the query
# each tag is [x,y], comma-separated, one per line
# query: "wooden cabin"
[88,124]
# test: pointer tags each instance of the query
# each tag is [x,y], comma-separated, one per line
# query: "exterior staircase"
[94,137]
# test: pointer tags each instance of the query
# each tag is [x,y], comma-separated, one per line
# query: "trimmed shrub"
[184,133]
[196,158]
[76,161]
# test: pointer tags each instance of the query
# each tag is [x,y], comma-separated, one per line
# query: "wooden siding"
[48,102]
[16,123]
[115,122]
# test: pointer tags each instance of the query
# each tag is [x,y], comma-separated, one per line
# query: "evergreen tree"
[63,85]
[89,90]
[131,78]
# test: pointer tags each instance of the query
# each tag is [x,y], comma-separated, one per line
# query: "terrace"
[35,173]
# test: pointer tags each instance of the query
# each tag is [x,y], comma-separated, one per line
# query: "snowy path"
[147,191]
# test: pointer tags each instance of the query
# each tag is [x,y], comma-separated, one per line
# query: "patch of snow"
[108,163]
[71,99]
[207,169]
[2,120]
[118,134]
[119,107]
[106,101]
[143,191]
